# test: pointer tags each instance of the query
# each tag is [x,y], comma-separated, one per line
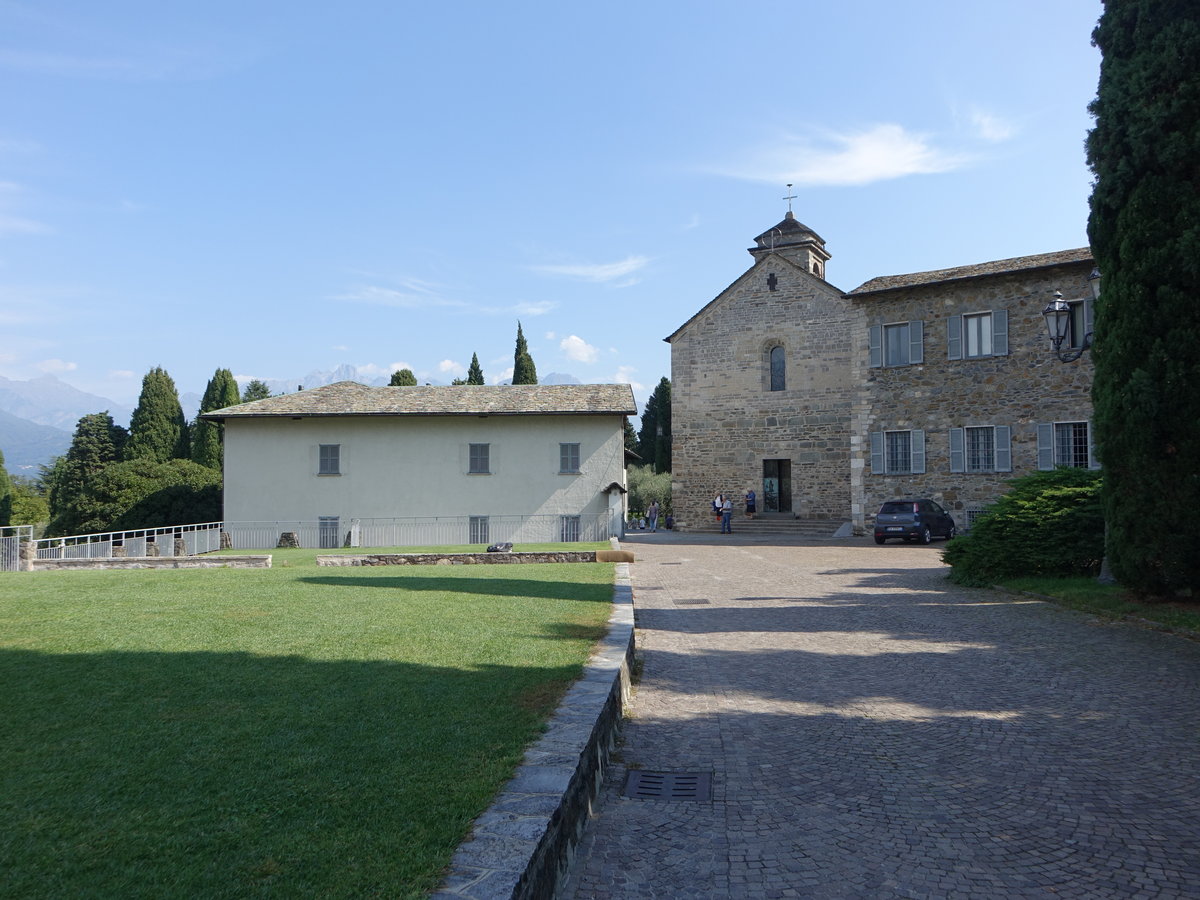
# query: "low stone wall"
[155,562]
[470,559]
[523,845]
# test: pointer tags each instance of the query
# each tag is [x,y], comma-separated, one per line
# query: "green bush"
[645,486]
[1049,523]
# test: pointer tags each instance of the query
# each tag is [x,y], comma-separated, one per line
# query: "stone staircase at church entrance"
[772,523]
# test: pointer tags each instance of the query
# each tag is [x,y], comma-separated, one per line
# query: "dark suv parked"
[920,520]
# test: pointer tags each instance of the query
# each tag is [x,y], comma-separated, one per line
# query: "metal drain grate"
[691,602]
[643,785]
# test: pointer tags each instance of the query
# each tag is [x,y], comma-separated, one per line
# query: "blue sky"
[278,187]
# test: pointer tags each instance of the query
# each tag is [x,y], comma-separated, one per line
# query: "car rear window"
[893,507]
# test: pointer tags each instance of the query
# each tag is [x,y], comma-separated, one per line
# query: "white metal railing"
[420,531]
[11,537]
[327,532]
[188,540]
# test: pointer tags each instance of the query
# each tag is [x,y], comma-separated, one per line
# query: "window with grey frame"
[329,459]
[568,459]
[977,335]
[981,448]
[1079,323]
[900,452]
[479,459]
[896,344]
[1065,444]
[778,368]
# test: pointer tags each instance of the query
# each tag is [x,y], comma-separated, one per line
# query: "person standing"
[717,503]
[652,515]
[727,516]
[751,503]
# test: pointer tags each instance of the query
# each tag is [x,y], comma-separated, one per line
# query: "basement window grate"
[643,785]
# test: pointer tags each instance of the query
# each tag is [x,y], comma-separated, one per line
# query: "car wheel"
[926,535]
[879,540]
[952,532]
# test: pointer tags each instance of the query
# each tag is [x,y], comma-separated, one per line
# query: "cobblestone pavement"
[874,731]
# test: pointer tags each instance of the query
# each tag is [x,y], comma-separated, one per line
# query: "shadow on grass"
[445,582]
[149,774]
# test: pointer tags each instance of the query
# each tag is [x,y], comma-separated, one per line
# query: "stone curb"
[154,562]
[522,846]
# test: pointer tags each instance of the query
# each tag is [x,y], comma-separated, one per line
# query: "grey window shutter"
[1089,321]
[1093,463]
[918,451]
[957,450]
[1045,448]
[1000,332]
[877,453]
[1003,448]
[954,337]
[875,343]
[916,340]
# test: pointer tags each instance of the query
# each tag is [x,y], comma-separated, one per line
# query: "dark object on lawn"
[502,547]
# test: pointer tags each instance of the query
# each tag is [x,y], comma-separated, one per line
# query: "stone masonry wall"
[1026,387]
[726,420]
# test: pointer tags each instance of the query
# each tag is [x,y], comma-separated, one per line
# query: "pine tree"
[654,438]
[1143,229]
[157,429]
[6,495]
[208,437]
[403,378]
[96,445]
[255,390]
[524,371]
[475,372]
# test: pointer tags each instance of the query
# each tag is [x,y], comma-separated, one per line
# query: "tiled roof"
[348,398]
[999,267]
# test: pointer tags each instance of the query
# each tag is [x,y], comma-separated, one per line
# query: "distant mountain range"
[38,416]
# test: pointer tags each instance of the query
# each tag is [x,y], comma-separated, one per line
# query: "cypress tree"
[157,429]
[475,372]
[208,438]
[6,494]
[96,445]
[1145,237]
[524,371]
[654,438]
[255,390]
[403,378]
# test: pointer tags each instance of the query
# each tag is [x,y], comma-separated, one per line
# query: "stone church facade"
[933,384]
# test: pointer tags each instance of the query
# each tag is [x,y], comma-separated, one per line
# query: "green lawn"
[1111,601]
[291,732]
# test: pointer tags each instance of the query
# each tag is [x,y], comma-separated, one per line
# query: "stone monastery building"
[827,403]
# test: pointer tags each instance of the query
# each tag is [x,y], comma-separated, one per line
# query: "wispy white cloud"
[450,367]
[16,224]
[371,370]
[579,350]
[880,153]
[19,225]
[991,127]
[505,375]
[532,308]
[597,272]
[127,374]
[624,375]
[54,366]
[412,294]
